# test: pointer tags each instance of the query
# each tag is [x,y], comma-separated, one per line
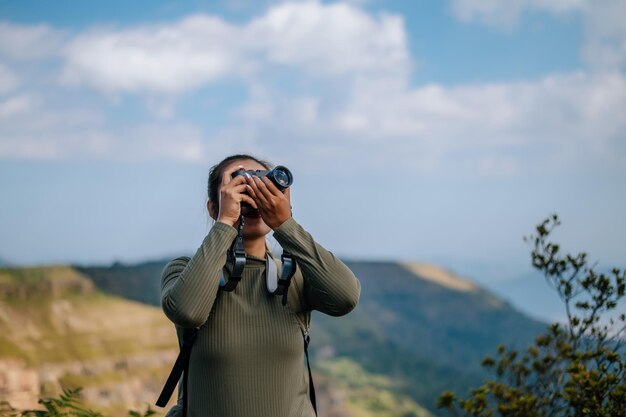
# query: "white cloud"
[505,14]
[333,39]
[33,129]
[166,141]
[16,105]
[559,122]
[177,142]
[358,105]
[161,58]
[318,39]
[52,146]
[265,105]
[498,165]
[605,34]
[29,42]
[604,43]
[8,79]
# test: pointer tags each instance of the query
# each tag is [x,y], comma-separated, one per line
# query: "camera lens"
[281,177]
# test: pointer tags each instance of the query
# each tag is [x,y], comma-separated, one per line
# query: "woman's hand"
[232,194]
[273,205]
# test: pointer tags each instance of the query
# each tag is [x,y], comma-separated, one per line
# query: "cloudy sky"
[438,131]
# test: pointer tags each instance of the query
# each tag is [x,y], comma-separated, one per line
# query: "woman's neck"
[255,247]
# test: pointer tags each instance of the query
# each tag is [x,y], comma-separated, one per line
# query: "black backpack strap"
[304,320]
[307,339]
[287,272]
[181,367]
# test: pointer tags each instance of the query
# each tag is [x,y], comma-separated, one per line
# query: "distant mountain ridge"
[4,262]
[423,326]
[418,330]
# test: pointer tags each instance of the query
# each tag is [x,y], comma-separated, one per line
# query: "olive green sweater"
[248,357]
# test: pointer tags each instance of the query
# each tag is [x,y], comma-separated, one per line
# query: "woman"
[248,357]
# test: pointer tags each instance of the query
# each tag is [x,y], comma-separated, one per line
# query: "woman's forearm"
[189,286]
[329,285]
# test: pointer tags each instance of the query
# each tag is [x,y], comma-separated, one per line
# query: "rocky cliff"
[57,330]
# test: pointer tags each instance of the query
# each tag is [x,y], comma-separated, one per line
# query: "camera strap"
[238,258]
[275,285]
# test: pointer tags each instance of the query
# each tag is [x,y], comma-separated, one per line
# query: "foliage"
[575,369]
[68,404]
[147,413]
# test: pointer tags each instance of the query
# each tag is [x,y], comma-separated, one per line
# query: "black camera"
[280,176]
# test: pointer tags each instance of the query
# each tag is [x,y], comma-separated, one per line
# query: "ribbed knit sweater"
[248,357]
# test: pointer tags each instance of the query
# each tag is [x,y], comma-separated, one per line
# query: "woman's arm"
[329,285]
[189,286]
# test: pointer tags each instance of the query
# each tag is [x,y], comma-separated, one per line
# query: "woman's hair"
[216,171]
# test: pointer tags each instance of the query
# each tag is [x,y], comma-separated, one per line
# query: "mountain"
[139,282]
[533,292]
[58,330]
[4,262]
[417,326]
[426,327]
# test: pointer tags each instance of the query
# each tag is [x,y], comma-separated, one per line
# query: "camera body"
[280,176]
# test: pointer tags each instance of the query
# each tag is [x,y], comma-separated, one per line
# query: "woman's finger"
[256,192]
[238,188]
[271,187]
[227,175]
[273,204]
[235,182]
[263,188]
[250,190]
[247,199]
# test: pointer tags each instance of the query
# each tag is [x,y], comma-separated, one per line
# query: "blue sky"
[437,131]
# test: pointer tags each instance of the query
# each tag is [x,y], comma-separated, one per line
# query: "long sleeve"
[189,286]
[329,285]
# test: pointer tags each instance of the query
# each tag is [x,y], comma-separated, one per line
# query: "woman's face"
[253,227]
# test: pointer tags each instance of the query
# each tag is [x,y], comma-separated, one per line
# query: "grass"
[78,323]
[367,394]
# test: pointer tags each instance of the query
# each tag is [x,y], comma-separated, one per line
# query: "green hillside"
[136,282]
[58,331]
[421,327]
[428,335]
